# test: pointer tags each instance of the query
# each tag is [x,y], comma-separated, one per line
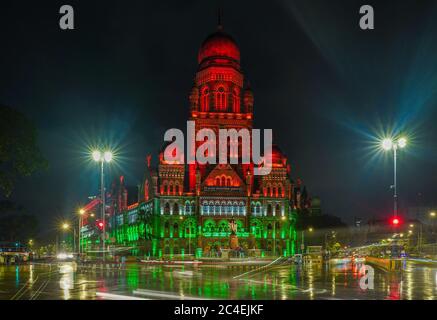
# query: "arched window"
[228,182]
[190,229]
[236,100]
[223,182]
[204,100]
[165,188]
[170,188]
[274,194]
[269,209]
[268,191]
[223,226]
[175,228]
[209,226]
[217,181]
[177,188]
[220,99]
[167,208]
[258,208]
[280,191]
[277,209]
[176,208]
[193,207]
[257,229]
[241,208]
[187,207]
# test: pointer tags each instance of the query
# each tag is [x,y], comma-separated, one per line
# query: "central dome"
[219,45]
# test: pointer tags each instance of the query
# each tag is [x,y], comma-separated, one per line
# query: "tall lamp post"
[81,213]
[432,215]
[65,226]
[390,144]
[102,158]
[302,245]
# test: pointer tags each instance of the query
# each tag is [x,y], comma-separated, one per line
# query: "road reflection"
[327,281]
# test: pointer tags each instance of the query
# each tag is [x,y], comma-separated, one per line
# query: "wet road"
[417,281]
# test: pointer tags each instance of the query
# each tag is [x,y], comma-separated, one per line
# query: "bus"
[14,252]
[313,255]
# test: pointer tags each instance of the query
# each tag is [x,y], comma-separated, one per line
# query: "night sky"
[325,87]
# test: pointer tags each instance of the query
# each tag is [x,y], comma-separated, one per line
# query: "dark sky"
[324,86]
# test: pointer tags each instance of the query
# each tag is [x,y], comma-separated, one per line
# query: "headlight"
[62,256]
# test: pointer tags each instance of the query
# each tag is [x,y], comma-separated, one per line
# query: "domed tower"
[218,99]
[219,80]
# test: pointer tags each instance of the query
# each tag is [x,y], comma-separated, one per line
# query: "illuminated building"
[185,208]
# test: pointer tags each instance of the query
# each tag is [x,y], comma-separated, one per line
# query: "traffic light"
[99,224]
[395,221]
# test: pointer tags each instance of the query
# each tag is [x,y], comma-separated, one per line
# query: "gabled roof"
[223,169]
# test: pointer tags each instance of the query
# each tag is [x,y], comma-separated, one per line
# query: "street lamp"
[81,213]
[387,145]
[100,157]
[64,227]
[302,245]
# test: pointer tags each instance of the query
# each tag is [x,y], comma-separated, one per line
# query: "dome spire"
[219,18]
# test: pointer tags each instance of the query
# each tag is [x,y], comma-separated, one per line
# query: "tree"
[16,224]
[19,153]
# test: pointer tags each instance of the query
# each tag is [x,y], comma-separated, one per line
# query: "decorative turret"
[249,183]
[248,100]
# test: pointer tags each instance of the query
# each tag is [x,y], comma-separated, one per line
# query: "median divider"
[385,263]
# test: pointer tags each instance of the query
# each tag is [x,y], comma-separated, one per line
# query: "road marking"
[112,296]
[160,294]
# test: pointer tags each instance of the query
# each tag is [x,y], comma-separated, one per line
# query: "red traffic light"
[100,224]
[395,221]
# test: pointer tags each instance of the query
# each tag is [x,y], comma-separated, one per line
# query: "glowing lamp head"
[402,142]
[432,214]
[107,156]
[97,156]
[387,144]
[81,211]
[65,226]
